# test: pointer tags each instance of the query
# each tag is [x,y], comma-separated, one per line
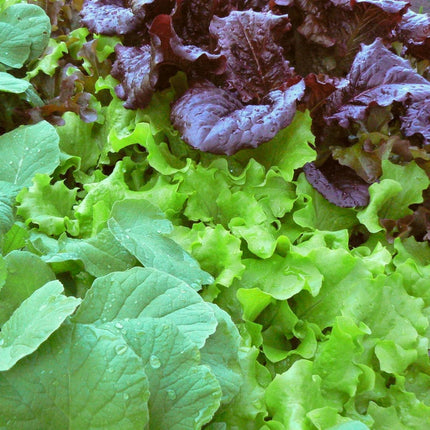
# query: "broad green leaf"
[33,322]
[82,377]
[101,254]
[247,409]
[28,150]
[225,366]
[184,394]
[146,292]
[335,359]
[26,273]
[10,84]
[139,227]
[8,193]
[33,24]
[14,45]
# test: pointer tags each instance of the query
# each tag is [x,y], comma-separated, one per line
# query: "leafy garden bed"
[214,215]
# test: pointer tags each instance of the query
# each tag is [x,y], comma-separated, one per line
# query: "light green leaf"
[313,211]
[288,150]
[352,425]
[247,410]
[101,254]
[282,277]
[82,377]
[145,292]
[138,226]
[48,63]
[81,139]
[400,187]
[33,24]
[33,322]
[28,150]
[215,248]
[49,206]
[293,394]
[225,366]
[26,273]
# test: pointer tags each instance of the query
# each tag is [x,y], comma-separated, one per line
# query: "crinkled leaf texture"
[109,17]
[380,77]
[142,69]
[255,61]
[332,30]
[339,184]
[214,120]
[414,32]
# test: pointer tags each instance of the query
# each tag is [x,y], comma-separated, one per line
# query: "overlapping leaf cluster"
[250,63]
[166,287]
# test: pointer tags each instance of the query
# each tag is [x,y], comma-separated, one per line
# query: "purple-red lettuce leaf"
[142,70]
[319,87]
[332,31]
[255,62]
[339,184]
[109,17]
[191,19]
[214,120]
[168,48]
[132,68]
[414,32]
[379,77]
[63,93]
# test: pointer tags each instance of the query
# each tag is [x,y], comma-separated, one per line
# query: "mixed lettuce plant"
[214,215]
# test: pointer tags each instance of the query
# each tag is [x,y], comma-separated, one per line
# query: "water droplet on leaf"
[154,362]
[121,349]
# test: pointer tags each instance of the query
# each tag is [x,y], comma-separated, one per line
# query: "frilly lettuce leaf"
[379,76]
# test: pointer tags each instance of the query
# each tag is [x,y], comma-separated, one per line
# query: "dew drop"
[1,342]
[121,349]
[171,394]
[154,362]
[119,325]
[126,396]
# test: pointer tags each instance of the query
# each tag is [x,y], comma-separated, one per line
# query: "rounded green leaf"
[32,23]
[82,377]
